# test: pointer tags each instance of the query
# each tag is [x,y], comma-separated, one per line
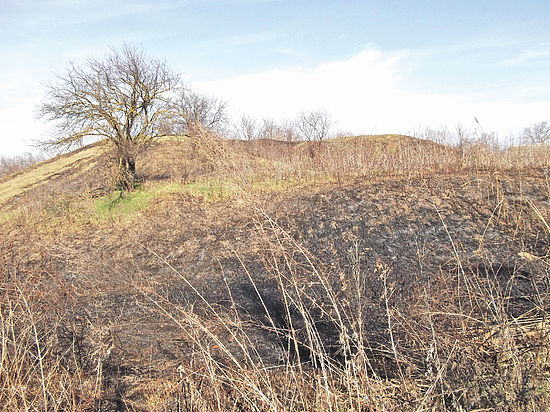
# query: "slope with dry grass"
[369,273]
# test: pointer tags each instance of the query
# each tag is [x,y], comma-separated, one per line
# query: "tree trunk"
[126,172]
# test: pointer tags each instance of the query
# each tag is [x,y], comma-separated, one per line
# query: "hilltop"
[369,272]
[89,169]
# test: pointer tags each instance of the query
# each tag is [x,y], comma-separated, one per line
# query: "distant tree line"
[538,133]
[10,165]
[463,137]
[311,125]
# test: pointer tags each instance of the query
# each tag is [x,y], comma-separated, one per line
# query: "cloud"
[541,52]
[20,94]
[367,93]
[330,86]
[21,130]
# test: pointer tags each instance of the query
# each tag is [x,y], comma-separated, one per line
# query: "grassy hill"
[363,273]
[179,163]
[71,164]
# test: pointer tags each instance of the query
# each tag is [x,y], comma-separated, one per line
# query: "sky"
[379,66]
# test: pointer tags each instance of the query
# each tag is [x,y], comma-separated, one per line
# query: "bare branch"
[123,97]
[538,133]
[193,108]
[248,128]
[314,125]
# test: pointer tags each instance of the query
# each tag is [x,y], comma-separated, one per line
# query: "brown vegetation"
[365,273]
[10,165]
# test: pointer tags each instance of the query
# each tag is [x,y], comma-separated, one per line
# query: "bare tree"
[537,133]
[269,129]
[193,108]
[122,97]
[285,130]
[248,128]
[314,125]
[442,135]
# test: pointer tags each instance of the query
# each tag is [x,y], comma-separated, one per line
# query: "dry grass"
[38,368]
[15,185]
[276,317]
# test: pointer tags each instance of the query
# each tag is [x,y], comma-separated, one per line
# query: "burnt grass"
[411,245]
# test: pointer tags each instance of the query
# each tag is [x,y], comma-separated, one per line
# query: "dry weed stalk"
[345,337]
[36,372]
[433,355]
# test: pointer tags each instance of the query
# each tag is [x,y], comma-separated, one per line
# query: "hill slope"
[239,271]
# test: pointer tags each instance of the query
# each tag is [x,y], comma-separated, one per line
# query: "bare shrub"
[193,108]
[314,125]
[537,133]
[248,128]
[442,135]
[284,130]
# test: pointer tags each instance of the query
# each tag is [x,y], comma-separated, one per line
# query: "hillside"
[365,273]
[89,170]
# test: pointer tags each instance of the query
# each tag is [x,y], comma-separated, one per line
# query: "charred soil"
[423,291]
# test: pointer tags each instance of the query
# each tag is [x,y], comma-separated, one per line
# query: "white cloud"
[20,94]
[344,88]
[543,51]
[21,130]
[367,93]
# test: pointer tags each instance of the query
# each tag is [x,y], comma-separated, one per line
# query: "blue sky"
[375,66]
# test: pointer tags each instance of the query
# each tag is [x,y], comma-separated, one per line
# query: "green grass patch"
[119,204]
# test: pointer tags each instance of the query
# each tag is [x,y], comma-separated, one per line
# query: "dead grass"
[369,273]
[15,185]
